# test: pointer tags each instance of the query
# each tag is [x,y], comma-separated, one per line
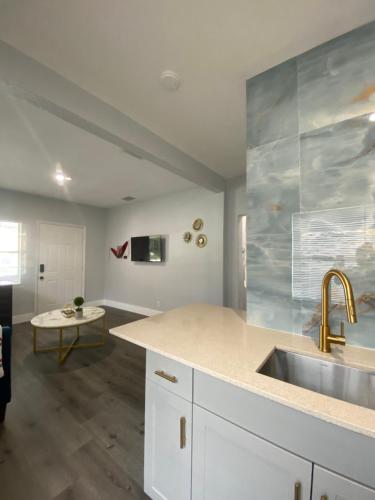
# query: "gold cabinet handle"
[182,433]
[297,490]
[324,497]
[170,378]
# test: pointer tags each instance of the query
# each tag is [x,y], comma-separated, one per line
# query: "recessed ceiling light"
[372,117]
[60,177]
[170,80]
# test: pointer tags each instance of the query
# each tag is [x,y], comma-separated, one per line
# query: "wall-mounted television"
[147,249]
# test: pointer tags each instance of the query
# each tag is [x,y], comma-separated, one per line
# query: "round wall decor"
[187,237]
[201,240]
[197,224]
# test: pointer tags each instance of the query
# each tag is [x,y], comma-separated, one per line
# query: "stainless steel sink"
[337,380]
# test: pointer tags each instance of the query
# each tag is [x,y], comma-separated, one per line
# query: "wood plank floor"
[75,432]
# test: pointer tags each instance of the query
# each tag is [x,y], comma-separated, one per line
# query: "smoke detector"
[170,80]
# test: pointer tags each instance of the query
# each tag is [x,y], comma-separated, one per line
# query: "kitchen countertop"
[218,341]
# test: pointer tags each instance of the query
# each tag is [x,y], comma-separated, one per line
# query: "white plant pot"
[79,314]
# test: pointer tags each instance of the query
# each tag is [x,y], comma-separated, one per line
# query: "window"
[10,243]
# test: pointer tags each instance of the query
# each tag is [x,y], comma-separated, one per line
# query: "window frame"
[17,280]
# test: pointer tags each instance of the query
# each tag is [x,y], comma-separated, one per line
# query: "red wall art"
[120,250]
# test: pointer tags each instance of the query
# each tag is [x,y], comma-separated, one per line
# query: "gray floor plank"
[75,432]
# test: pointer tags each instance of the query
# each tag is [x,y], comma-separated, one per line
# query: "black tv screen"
[146,249]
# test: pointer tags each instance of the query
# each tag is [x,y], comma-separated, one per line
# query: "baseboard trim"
[93,303]
[145,311]
[22,318]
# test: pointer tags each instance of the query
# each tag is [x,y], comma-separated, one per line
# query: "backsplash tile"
[338,165]
[323,240]
[271,311]
[360,334]
[340,238]
[272,104]
[270,263]
[311,187]
[336,80]
[270,300]
[273,185]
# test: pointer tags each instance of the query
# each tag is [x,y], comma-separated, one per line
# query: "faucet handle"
[342,333]
[338,339]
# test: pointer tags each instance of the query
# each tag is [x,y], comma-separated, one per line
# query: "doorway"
[242,263]
[60,273]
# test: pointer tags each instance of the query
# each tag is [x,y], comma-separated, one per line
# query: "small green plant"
[78,302]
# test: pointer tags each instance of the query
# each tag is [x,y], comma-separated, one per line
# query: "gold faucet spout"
[325,332]
[351,311]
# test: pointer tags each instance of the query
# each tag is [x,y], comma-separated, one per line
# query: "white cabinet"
[231,463]
[330,486]
[220,442]
[167,444]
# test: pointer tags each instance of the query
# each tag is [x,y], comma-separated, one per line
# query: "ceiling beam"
[28,79]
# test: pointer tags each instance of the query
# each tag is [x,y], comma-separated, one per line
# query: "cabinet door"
[330,486]
[167,444]
[231,463]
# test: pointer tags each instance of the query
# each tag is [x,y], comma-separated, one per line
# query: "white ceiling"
[116,49]
[32,142]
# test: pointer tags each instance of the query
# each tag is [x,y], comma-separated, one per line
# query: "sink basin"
[337,380]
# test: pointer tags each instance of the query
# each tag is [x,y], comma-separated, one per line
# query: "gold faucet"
[326,339]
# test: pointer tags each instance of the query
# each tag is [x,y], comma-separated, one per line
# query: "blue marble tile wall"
[311,186]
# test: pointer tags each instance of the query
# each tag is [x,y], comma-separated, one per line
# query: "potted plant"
[78,302]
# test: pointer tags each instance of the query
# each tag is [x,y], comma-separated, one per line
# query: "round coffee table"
[55,320]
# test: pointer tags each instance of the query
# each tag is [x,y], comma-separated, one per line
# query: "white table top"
[55,319]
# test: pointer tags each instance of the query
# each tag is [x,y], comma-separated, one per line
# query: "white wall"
[189,274]
[235,205]
[29,209]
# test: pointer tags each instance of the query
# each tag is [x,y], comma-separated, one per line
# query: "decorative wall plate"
[201,240]
[197,224]
[188,237]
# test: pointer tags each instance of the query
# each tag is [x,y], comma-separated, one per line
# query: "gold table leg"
[61,336]
[104,330]
[65,350]
[34,339]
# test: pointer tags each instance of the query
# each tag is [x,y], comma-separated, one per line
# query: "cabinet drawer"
[170,374]
[330,486]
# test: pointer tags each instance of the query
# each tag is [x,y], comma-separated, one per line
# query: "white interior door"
[61,265]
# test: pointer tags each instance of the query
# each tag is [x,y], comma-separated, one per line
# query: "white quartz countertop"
[217,341]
